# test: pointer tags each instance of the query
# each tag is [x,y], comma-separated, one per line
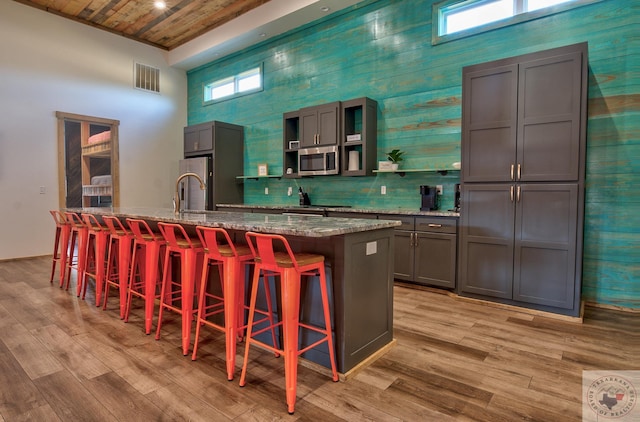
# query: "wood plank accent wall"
[382,49]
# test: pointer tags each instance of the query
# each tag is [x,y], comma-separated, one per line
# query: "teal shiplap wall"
[382,49]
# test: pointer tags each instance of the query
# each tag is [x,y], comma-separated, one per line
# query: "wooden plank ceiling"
[179,22]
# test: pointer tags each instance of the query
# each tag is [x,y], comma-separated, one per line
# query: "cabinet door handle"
[519,171]
[511,193]
[511,171]
[196,145]
[518,194]
[435,226]
[415,241]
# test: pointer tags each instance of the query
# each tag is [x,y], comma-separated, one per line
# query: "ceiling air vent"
[147,78]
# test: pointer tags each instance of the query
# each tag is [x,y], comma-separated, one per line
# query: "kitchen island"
[359,258]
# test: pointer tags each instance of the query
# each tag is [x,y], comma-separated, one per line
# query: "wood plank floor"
[63,359]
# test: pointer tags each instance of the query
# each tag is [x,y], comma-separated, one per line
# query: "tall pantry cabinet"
[523,164]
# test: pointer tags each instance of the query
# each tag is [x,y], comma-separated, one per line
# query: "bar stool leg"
[252,310]
[64,254]
[152,253]
[327,321]
[73,235]
[83,250]
[290,317]
[124,255]
[187,270]
[231,308]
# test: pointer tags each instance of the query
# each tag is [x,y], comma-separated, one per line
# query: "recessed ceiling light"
[160,5]
[262,34]
[325,9]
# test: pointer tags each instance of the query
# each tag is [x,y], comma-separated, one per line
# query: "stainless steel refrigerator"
[191,196]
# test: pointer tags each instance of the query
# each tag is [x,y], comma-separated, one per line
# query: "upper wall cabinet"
[359,136]
[319,125]
[522,120]
[198,139]
[350,125]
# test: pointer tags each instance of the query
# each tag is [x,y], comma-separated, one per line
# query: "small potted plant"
[395,157]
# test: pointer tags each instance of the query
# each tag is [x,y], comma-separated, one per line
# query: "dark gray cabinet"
[523,121]
[518,242]
[426,250]
[223,144]
[291,139]
[523,154]
[198,139]
[351,124]
[359,136]
[308,127]
[319,125]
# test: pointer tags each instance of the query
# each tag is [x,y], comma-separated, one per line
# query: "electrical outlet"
[383,190]
[289,191]
[266,191]
[43,190]
[439,189]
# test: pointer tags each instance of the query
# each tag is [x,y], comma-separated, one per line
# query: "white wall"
[48,64]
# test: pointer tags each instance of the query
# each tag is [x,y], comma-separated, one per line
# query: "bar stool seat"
[96,249]
[273,257]
[143,276]
[231,261]
[178,243]
[60,245]
[118,261]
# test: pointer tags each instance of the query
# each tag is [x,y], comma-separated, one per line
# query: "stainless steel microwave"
[318,160]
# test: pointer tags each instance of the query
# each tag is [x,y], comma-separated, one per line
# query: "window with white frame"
[456,19]
[233,86]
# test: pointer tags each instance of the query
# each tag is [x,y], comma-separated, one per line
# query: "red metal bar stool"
[183,290]
[143,276]
[97,236]
[60,245]
[231,261]
[118,261]
[76,255]
[289,268]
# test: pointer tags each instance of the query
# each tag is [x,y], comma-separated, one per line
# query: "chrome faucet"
[176,199]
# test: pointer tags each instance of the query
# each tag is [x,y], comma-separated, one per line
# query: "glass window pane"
[479,15]
[222,90]
[248,83]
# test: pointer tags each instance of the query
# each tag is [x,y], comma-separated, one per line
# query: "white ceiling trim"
[271,19]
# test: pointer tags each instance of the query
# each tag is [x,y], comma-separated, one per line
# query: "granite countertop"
[292,225]
[396,211]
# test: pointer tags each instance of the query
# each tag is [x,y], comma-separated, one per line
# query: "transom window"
[233,86]
[456,19]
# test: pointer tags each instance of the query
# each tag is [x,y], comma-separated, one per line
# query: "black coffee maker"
[430,199]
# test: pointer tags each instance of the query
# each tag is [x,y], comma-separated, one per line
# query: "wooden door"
[75,152]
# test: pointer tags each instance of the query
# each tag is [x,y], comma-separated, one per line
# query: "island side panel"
[360,274]
[365,304]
